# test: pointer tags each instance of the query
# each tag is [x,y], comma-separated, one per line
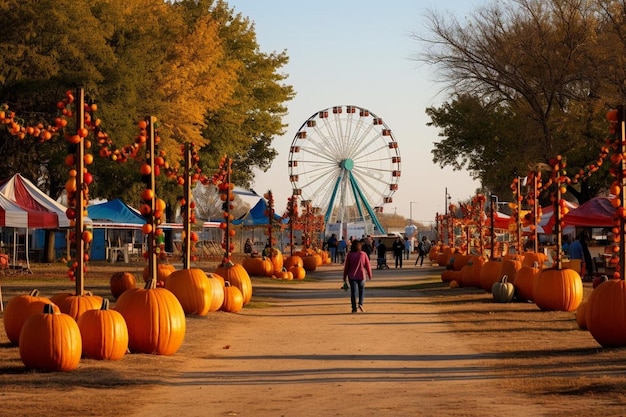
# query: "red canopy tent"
[548,220]
[14,215]
[26,195]
[501,220]
[546,223]
[597,212]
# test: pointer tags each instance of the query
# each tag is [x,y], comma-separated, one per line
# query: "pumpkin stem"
[105,304]
[48,308]
[34,293]
[151,284]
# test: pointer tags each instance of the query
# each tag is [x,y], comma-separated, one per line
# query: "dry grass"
[540,354]
[543,354]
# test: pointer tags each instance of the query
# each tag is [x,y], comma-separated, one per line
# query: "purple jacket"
[357,266]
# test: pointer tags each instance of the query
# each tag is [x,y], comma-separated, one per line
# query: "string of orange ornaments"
[74,136]
[195,175]
[614,143]
[153,216]
[269,212]
[221,179]
[291,213]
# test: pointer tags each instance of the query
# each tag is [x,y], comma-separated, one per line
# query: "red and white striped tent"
[26,195]
[14,215]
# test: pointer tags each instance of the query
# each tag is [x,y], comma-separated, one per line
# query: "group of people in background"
[401,248]
[338,248]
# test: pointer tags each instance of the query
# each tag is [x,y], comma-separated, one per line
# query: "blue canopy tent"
[254,218]
[257,216]
[122,219]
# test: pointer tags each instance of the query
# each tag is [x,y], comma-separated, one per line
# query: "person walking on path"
[356,269]
[342,248]
[331,244]
[398,251]
[422,249]
[407,248]
[366,246]
[381,251]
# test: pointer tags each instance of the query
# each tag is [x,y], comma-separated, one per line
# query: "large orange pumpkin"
[525,282]
[103,333]
[258,266]
[471,272]
[510,266]
[293,260]
[558,290]
[233,299]
[449,275]
[155,319]
[238,277]
[120,282]
[460,261]
[605,313]
[217,291]
[490,274]
[75,305]
[193,290]
[19,309]
[50,341]
[310,263]
[162,271]
[299,273]
[276,257]
[531,257]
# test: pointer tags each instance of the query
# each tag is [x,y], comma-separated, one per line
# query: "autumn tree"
[534,62]
[195,65]
[43,53]
[245,128]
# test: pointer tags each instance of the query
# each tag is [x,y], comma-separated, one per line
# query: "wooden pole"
[270,218]
[557,221]
[227,211]
[494,207]
[621,117]
[536,209]
[150,151]
[80,202]
[518,204]
[187,209]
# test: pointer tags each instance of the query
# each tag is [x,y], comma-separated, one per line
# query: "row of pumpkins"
[517,275]
[603,313]
[294,267]
[54,333]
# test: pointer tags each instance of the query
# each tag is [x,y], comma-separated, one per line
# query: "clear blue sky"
[359,52]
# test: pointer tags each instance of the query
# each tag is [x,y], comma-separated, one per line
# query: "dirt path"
[308,355]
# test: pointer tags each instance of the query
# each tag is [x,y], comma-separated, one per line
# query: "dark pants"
[356,287]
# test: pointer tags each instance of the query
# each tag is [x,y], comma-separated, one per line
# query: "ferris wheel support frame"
[367,207]
[332,200]
[359,199]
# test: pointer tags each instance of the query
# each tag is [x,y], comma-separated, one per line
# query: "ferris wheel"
[345,161]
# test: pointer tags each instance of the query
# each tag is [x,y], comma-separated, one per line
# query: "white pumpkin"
[503,291]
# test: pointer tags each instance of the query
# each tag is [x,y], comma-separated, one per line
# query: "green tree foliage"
[526,84]
[194,65]
[44,51]
[245,128]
